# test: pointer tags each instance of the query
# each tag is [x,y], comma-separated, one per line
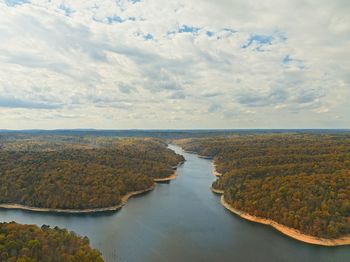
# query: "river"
[182,221]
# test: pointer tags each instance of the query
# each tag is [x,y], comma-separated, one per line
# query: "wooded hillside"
[299,180]
[81,173]
[29,243]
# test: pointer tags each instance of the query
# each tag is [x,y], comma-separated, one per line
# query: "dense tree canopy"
[80,173]
[29,243]
[299,180]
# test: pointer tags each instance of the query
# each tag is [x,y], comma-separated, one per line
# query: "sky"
[179,64]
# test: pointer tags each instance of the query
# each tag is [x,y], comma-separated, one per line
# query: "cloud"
[214,108]
[289,62]
[177,95]
[11,102]
[211,94]
[294,98]
[126,89]
[308,96]
[254,99]
[137,64]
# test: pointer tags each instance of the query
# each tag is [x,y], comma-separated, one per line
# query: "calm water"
[182,221]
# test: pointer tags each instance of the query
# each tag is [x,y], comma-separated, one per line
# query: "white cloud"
[179,64]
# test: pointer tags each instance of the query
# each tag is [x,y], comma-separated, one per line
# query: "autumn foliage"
[80,173]
[299,180]
[29,243]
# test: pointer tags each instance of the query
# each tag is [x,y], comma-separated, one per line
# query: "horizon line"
[166,129]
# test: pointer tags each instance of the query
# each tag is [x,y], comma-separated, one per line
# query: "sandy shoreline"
[217,191]
[166,179]
[290,232]
[178,165]
[79,211]
[92,210]
[215,172]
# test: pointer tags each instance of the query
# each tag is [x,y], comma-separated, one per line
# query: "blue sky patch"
[148,37]
[210,34]
[114,19]
[286,60]
[16,2]
[66,9]
[259,40]
[189,29]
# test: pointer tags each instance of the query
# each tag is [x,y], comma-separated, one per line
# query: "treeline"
[299,180]
[29,243]
[78,175]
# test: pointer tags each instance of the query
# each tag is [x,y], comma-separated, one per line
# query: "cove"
[181,221]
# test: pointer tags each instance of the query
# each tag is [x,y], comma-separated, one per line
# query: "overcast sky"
[174,64]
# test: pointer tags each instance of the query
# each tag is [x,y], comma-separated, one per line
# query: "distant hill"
[167,134]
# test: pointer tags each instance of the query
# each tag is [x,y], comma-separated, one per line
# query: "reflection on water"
[182,221]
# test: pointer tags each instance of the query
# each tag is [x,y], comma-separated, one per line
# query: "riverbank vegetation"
[80,172]
[29,243]
[298,180]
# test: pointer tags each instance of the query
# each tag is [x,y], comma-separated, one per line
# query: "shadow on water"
[182,221]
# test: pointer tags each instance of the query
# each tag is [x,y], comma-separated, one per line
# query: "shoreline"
[215,172]
[290,232]
[178,165]
[205,157]
[166,179]
[196,153]
[189,152]
[124,200]
[217,191]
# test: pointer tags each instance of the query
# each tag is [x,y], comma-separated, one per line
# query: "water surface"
[182,221]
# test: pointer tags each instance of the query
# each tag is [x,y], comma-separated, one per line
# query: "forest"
[80,172]
[29,243]
[299,180]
